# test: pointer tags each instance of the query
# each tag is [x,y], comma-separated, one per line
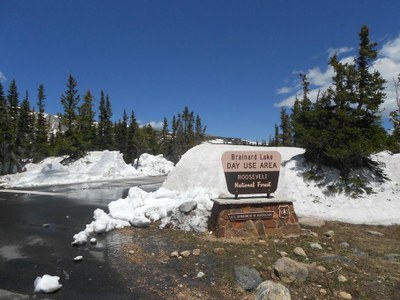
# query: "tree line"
[342,127]
[25,133]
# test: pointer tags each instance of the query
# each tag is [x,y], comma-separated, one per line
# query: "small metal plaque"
[284,211]
[262,215]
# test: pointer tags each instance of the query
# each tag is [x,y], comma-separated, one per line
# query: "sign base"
[252,217]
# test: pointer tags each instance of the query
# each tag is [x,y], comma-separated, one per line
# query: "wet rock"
[289,270]
[187,207]
[93,241]
[341,278]
[196,252]
[373,232]
[185,253]
[315,246]
[299,252]
[311,222]
[345,295]
[330,234]
[247,278]
[46,225]
[269,290]
[219,251]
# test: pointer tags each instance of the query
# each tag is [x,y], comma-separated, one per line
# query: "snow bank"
[153,165]
[47,284]
[199,177]
[96,166]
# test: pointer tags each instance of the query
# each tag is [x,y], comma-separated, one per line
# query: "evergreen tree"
[295,121]
[41,145]
[133,140]
[395,118]
[343,128]
[25,133]
[105,135]
[85,122]
[121,133]
[276,136]
[286,135]
[13,108]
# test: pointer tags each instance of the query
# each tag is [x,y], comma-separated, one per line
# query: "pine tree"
[395,117]
[41,144]
[85,122]
[121,134]
[286,135]
[25,133]
[276,136]
[13,108]
[133,133]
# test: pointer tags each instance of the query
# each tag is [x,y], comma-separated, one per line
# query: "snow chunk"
[153,165]
[47,284]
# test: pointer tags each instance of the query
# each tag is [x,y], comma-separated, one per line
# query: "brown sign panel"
[251,172]
[251,216]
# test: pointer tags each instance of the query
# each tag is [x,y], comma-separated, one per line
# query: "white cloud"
[155,125]
[284,90]
[388,66]
[338,51]
[2,77]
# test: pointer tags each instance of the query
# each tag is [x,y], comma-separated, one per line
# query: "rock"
[373,232]
[174,254]
[5,294]
[78,258]
[247,278]
[345,295]
[219,251]
[299,252]
[359,252]
[322,269]
[311,222]
[312,233]
[323,292]
[131,252]
[392,256]
[329,234]
[187,207]
[93,241]
[338,258]
[262,241]
[289,270]
[283,253]
[315,246]
[46,225]
[185,253]
[341,278]
[344,245]
[196,252]
[269,290]
[200,275]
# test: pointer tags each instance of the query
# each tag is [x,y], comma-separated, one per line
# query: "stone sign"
[251,172]
[251,216]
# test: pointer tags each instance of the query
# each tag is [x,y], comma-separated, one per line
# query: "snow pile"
[199,177]
[96,166]
[153,165]
[47,284]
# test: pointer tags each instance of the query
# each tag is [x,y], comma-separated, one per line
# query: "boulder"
[187,207]
[289,270]
[247,278]
[299,252]
[269,290]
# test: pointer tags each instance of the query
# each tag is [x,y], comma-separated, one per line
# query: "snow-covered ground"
[96,166]
[199,177]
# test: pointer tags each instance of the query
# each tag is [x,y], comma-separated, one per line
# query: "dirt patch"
[145,263]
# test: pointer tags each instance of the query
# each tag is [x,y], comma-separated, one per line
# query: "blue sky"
[233,62]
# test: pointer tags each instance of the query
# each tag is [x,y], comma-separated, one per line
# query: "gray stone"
[247,278]
[196,252]
[185,253]
[315,246]
[338,258]
[344,245]
[311,222]
[392,256]
[341,278]
[289,270]
[174,254]
[345,295]
[187,207]
[269,290]
[359,252]
[329,234]
[373,232]
[299,252]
